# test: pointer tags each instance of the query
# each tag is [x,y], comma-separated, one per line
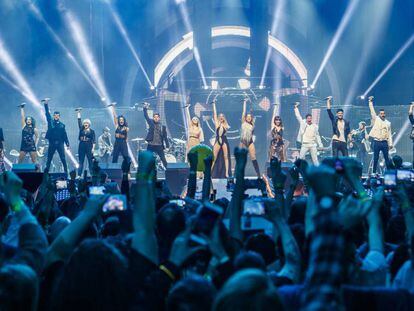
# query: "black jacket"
[56,131]
[86,137]
[334,121]
[150,135]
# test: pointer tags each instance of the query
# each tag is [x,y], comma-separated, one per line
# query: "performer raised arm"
[411,118]
[195,135]
[121,136]
[380,133]
[277,147]
[221,148]
[308,137]
[157,135]
[57,136]
[246,137]
[340,128]
[30,136]
[87,142]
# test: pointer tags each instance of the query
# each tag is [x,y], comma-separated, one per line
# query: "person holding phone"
[57,136]
[221,147]
[246,137]
[87,142]
[30,136]
[121,136]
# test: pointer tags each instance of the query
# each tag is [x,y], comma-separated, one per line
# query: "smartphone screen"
[116,202]
[94,190]
[390,179]
[253,207]
[405,175]
[61,184]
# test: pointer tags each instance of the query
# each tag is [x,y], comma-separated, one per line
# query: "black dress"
[120,145]
[28,139]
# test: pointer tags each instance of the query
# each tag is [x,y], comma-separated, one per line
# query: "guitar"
[105,148]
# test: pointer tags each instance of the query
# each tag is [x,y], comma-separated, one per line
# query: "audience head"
[262,244]
[249,259]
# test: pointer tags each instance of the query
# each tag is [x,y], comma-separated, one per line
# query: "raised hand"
[146,165]
[193,160]
[296,105]
[278,176]
[241,159]
[208,162]
[181,249]
[323,180]
[215,244]
[294,174]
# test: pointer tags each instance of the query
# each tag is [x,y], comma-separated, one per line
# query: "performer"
[411,117]
[195,135]
[30,137]
[308,137]
[246,137]
[157,135]
[277,146]
[121,136]
[359,139]
[57,136]
[105,145]
[221,148]
[87,142]
[341,130]
[2,166]
[380,133]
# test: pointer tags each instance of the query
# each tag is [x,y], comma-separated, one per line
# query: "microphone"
[329,97]
[371,98]
[45,100]
[21,105]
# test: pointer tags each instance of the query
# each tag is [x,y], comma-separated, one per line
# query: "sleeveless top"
[277,137]
[246,136]
[221,135]
[121,134]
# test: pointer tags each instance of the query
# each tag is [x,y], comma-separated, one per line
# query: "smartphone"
[94,190]
[390,179]
[339,166]
[230,184]
[115,202]
[61,184]
[179,202]
[254,207]
[196,240]
[405,175]
[206,218]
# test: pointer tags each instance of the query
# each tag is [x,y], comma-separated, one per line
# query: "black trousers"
[120,148]
[60,148]
[362,156]
[158,149]
[380,146]
[339,146]
[85,150]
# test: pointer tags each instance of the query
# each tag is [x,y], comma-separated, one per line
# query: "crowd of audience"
[341,244]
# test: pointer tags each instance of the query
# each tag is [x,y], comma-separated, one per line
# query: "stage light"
[261,87]
[222,31]
[84,50]
[362,97]
[205,87]
[131,155]
[214,84]
[35,10]
[152,87]
[72,158]
[9,65]
[244,84]
[127,39]
[103,99]
[396,57]
[338,34]
[401,132]
[277,16]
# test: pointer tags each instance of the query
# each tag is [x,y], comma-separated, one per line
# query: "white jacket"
[302,127]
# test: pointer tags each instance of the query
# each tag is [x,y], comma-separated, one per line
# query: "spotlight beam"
[85,52]
[126,37]
[6,60]
[338,34]
[396,57]
[276,22]
[400,134]
[35,10]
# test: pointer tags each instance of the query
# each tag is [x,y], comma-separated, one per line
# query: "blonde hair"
[225,123]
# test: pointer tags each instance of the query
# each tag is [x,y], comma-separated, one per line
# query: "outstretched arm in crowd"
[144,240]
[208,162]
[63,246]
[192,177]
[237,198]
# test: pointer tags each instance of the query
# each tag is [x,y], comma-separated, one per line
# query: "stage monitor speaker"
[176,177]
[24,167]
[285,167]
[113,170]
[31,180]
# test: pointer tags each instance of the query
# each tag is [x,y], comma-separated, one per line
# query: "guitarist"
[105,145]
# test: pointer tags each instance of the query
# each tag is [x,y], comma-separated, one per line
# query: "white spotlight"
[244,84]
[261,87]
[214,84]
[361,97]
[205,87]
[152,87]
[103,99]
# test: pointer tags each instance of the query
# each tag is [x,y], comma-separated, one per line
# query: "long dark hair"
[125,121]
[276,118]
[33,121]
